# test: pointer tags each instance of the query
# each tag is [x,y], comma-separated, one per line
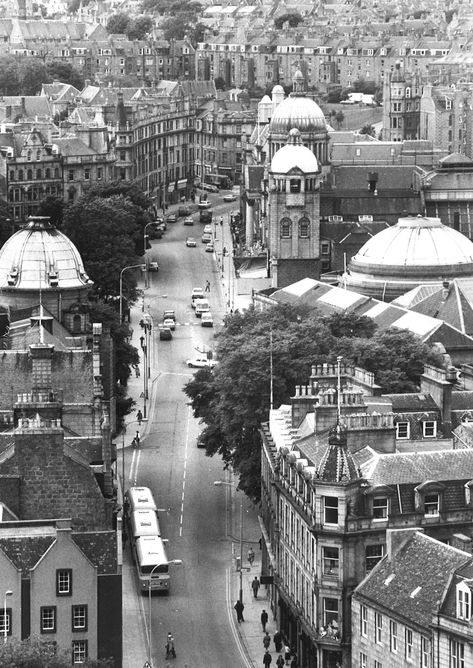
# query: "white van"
[201,306]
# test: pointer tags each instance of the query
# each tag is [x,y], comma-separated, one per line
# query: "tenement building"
[337,473]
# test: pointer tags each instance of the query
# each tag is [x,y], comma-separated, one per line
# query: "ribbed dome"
[414,251]
[337,464]
[294,154]
[39,257]
[298,111]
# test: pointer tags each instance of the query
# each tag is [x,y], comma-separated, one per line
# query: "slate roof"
[421,562]
[25,552]
[72,146]
[411,402]
[415,467]
[100,548]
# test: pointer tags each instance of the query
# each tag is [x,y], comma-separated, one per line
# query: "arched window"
[304,228]
[38,154]
[48,173]
[29,175]
[20,175]
[286,228]
[56,172]
[38,174]
[12,175]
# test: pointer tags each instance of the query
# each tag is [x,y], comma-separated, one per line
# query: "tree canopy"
[234,399]
[134,29]
[293,18]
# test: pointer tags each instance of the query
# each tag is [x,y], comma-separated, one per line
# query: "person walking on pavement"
[280,661]
[294,662]
[255,585]
[267,658]
[239,607]
[264,619]
[207,286]
[251,556]
[266,640]
[287,654]
[277,639]
[139,417]
[170,649]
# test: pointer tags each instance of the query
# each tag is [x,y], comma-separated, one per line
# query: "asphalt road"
[199,609]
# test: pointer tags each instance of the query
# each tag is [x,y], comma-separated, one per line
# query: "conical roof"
[337,463]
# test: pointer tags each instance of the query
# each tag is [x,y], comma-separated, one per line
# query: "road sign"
[147,665]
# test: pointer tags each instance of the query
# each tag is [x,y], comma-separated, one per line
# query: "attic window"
[414,593]
[463,601]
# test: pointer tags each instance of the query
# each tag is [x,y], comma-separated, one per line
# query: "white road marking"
[231,619]
[186,453]
[135,463]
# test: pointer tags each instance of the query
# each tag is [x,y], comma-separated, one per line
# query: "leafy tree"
[219,83]
[35,653]
[234,399]
[53,207]
[104,231]
[339,117]
[139,28]
[9,75]
[176,27]
[368,129]
[293,18]
[118,24]
[66,73]
[33,73]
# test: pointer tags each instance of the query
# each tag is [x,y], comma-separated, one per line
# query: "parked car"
[201,363]
[169,323]
[183,211]
[207,229]
[197,293]
[201,305]
[205,204]
[169,313]
[209,187]
[191,242]
[165,334]
[209,247]
[200,441]
[206,238]
[171,218]
[189,220]
[206,319]
[229,197]
[153,265]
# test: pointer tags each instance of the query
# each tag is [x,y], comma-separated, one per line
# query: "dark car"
[189,220]
[200,441]
[165,334]
[183,211]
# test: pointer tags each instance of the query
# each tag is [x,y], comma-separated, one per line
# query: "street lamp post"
[5,618]
[131,266]
[219,483]
[174,562]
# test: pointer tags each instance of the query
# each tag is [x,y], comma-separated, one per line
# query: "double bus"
[147,544]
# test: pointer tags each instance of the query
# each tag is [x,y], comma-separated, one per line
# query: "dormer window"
[428,498]
[463,601]
[380,507]
[330,510]
[402,430]
[431,504]
[429,428]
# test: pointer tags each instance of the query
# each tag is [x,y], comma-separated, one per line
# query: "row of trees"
[123,24]
[233,400]
[25,76]
[106,225]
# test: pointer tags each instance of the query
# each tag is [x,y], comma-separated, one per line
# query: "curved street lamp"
[131,266]
[174,562]
[219,483]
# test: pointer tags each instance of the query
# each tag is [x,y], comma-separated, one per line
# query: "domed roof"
[298,111]
[337,463]
[294,155]
[277,89]
[265,100]
[40,257]
[414,251]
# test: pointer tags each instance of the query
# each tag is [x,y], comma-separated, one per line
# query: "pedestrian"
[266,640]
[267,658]
[264,619]
[239,607]
[287,654]
[139,417]
[280,661]
[251,556]
[137,371]
[294,662]
[277,639]
[142,341]
[170,649]
[207,286]
[221,220]
[255,585]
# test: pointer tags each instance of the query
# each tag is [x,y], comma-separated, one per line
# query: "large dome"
[412,252]
[294,155]
[39,257]
[298,111]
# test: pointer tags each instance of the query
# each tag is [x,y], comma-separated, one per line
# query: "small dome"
[39,257]
[298,111]
[298,75]
[337,463]
[265,100]
[294,155]
[277,89]
[410,253]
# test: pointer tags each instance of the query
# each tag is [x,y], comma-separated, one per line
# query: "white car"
[209,248]
[229,197]
[169,322]
[206,319]
[207,229]
[191,242]
[197,293]
[201,363]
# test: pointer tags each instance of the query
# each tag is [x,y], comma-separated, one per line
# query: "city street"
[199,609]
